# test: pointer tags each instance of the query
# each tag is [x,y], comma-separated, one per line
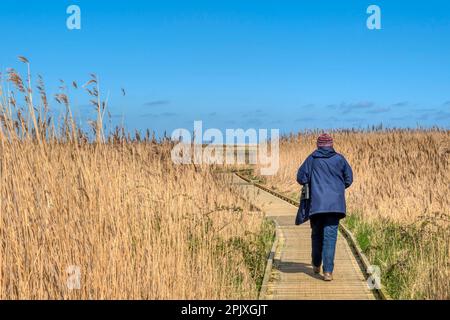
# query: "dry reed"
[401,179]
[136,225]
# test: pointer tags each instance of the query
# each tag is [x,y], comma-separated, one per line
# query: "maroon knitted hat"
[324,140]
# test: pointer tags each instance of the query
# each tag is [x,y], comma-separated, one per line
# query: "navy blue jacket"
[331,175]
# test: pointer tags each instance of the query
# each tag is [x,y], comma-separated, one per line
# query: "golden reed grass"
[400,177]
[399,174]
[136,225]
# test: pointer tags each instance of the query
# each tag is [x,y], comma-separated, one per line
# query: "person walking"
[328,175]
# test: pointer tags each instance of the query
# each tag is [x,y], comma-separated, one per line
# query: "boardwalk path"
[291,276]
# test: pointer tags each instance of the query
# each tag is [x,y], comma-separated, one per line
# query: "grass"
[255,252]
[362,232]
[400,251]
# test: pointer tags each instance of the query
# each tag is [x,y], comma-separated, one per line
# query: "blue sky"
[291,65]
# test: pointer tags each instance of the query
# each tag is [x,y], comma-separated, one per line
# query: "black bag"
[305,205]
[305,202]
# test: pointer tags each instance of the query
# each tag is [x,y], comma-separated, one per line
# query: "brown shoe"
[327,276]
[316,269]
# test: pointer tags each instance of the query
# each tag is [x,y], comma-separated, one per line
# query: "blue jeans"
[323,239]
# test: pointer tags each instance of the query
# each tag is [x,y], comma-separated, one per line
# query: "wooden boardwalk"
[291,275]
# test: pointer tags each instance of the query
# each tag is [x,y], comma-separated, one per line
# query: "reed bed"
[398,205]
[111,217]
